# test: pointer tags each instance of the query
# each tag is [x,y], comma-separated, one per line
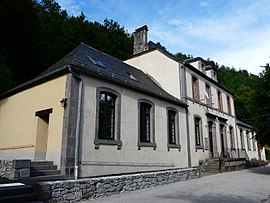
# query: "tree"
[261,107]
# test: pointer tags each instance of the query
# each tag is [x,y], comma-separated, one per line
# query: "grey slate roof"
[81,59]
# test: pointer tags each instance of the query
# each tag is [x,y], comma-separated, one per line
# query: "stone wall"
[15,169]
[233,164]
[90,188]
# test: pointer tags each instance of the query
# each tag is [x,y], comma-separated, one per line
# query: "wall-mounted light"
[63,102]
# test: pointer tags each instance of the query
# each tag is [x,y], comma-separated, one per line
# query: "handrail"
[18,147]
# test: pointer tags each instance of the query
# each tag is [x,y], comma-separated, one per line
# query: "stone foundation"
[15,169]
[90,188]
[233,164]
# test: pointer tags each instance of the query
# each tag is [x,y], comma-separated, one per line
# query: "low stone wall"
[15,169]
[89,188]
[233,164]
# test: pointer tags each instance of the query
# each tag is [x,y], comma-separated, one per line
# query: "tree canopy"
[35,34]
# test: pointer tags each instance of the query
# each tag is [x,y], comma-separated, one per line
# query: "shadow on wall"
[211,198]
[265,170]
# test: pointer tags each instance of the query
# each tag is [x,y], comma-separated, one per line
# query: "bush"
[255,163]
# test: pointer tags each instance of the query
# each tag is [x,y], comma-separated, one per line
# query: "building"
[94,115]
[213,128]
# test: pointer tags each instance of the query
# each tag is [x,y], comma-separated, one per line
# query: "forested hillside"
[36,34]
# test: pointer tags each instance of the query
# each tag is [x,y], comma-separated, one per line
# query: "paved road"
[245,186]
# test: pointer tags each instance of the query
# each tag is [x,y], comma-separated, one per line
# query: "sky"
[234,33]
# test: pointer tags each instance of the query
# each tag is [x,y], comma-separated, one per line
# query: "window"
[219,100]
[232,137]
[248,141]
[253,142]
[195,88]
[198,132]
[173,129]
[242,139]
[229,105]
[146,124]
[208,95]
[106,115]
[108,118]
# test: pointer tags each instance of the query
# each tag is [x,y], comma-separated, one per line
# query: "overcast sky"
[234,33]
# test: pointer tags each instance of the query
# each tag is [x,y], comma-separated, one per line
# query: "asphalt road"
[245,186]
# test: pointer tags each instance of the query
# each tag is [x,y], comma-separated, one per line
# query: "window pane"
[197,131]
[172,130]
[145,122]
[106,115]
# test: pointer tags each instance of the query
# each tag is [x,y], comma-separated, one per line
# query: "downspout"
[78,125]
[187,112]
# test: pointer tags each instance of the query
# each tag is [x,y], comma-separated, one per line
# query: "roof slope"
[87,60]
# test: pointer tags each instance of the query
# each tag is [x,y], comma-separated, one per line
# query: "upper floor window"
[195,88]
[208,95]
[198,131]
[146,124]
[108,117]
[220,106]
[173,129]
[229,105]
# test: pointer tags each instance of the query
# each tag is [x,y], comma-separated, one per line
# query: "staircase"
[44,171]
[210,166]
[16,192]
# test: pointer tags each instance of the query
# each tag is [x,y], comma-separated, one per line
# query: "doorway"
[210,137]
[222,140]
[43,118]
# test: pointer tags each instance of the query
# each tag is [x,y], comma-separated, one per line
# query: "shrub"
[254,162]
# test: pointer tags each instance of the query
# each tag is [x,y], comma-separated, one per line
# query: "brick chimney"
[140,40]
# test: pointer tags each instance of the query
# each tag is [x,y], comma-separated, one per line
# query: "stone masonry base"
[90,188]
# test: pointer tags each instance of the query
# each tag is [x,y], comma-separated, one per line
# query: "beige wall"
[18,123]
[163,69]
[107,159]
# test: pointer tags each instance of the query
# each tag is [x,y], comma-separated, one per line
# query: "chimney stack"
[140,40]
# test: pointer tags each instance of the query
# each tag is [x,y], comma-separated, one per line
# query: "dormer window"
[97,62]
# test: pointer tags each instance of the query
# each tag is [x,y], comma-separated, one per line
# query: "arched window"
[106,115]
[173,128]
[146,124]
[198,132]
[108,118]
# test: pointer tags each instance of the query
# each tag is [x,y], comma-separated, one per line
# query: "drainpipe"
[78,125]
[187,112]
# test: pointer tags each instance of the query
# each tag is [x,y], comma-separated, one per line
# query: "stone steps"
[44,171]
[16,192]
[211,166]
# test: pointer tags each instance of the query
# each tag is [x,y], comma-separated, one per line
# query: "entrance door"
[210,137]
[222,140]
[43,118]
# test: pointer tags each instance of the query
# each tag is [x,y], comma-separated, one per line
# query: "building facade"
[94,115]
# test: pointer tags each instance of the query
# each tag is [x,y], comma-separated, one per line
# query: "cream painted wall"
[163,69]
[199,108]
[107,159]
[18,123]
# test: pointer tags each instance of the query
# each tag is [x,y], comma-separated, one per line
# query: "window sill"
[199,147]
[146,144]
[176,146]
[99,142]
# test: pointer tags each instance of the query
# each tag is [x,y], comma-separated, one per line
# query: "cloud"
[73,7]
[204,4]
